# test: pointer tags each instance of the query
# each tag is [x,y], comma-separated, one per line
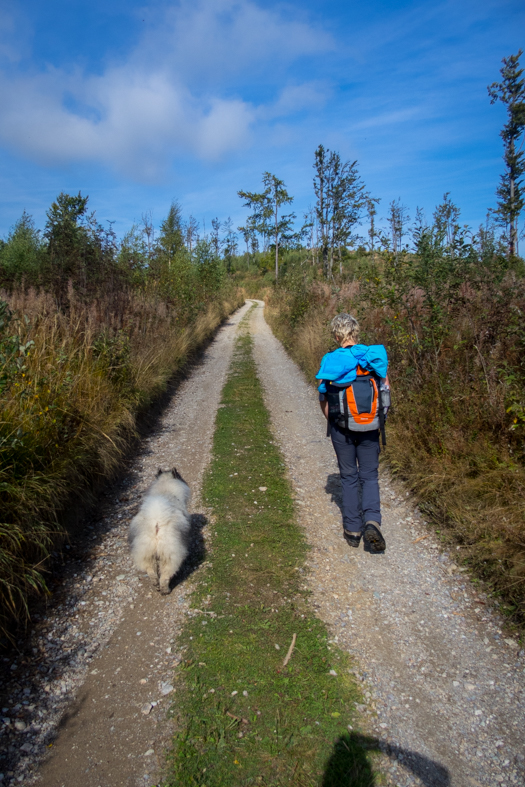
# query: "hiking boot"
[373,537]
[353,539]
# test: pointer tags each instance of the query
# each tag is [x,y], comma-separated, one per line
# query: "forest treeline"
[91,331]
[74,250]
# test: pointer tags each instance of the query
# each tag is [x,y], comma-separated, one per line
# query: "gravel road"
[443,682]
[85,701]
[86,697]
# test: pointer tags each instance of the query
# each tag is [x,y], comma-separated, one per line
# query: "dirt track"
[444,687]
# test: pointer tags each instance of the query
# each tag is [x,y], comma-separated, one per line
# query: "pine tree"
[341,199]
[511,92]
[266,217]
[171,238]
[21,256]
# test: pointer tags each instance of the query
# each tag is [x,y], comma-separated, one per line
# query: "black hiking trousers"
[358,458]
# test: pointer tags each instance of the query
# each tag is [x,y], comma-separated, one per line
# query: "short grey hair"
[345,328]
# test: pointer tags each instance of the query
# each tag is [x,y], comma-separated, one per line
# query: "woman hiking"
[354,394]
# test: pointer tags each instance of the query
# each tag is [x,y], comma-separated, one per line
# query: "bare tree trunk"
[332,242]
[372,236]
[276,244]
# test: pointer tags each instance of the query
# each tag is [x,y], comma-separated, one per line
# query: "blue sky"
[137,104]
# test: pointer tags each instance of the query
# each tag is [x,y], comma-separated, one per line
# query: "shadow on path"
[196,550]
[349,764]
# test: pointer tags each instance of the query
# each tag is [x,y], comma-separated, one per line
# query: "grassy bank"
[73,382]
[456,431]
[250,708]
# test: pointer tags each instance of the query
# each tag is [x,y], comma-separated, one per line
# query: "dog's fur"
[158,533]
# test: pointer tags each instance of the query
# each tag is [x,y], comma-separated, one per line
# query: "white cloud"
[295,98]
[389,118]
[13,33]
[172,97]
[210,39]
[144,120]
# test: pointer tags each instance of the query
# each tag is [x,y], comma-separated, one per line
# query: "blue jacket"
[340,366]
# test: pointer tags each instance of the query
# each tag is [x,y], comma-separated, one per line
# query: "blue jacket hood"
[340,366]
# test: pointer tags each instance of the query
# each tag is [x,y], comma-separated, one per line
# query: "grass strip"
[243,716]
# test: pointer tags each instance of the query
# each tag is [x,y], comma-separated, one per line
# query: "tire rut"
[444,684]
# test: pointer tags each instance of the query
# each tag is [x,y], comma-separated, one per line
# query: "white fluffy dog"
[158,533]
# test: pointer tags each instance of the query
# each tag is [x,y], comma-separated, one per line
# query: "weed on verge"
[244,716]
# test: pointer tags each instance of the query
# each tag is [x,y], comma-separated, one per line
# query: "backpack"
[359,406]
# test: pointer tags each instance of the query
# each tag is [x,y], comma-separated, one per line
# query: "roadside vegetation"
[91,331]
[263,696]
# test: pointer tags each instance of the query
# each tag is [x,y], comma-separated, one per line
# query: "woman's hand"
[324,408]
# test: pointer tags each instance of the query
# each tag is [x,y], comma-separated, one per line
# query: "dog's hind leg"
[167,568]
[164,582]
[152,570]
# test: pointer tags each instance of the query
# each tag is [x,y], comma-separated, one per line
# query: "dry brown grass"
[474,493]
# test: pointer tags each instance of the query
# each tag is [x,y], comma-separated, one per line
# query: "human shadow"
[349,764]
[196,550]
[334,489]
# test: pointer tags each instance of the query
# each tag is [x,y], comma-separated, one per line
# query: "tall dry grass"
[71,397]
[455,434]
